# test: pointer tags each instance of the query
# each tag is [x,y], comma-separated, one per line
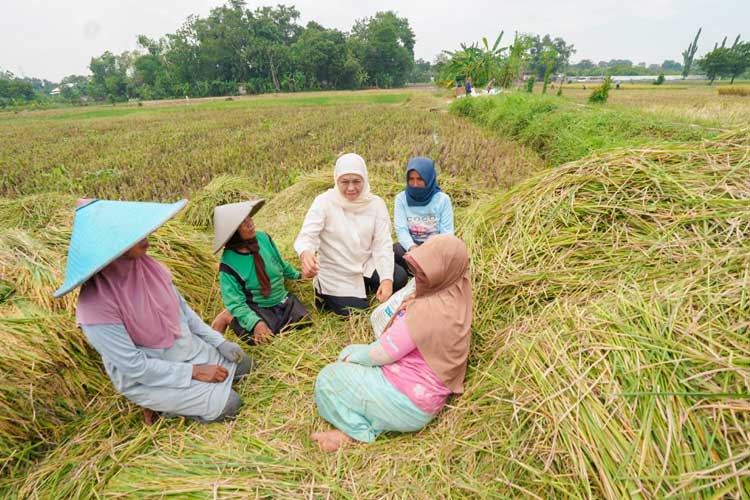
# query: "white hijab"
[352,163]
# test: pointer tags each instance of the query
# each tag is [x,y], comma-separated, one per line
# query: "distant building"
[632,78]
[58,90]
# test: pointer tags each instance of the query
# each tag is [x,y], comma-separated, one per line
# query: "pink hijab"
[137,293]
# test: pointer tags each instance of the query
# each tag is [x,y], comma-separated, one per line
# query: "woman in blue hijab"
[422,210]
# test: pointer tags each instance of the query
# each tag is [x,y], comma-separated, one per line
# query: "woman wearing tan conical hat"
[252,274]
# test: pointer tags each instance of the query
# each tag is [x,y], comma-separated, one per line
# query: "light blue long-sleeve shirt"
[161,379]
[415,224]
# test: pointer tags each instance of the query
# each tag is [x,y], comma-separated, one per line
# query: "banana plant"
[481,63]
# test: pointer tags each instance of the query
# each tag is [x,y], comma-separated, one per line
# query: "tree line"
[537,57]
[261,50]
[14,90]
[237,49]
[587,67]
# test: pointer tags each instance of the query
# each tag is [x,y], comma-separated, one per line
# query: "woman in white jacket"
[350,231]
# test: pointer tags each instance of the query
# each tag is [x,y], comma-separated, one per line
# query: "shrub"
[601,93]
[530,84]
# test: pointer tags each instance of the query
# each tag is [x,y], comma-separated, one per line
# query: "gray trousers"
[233,402]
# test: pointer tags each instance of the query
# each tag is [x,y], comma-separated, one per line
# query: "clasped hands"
[217,373]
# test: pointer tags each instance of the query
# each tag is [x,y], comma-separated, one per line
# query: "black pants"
[277,318]
[398,256]
[343,305]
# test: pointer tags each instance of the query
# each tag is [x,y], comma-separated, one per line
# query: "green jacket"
[232,292]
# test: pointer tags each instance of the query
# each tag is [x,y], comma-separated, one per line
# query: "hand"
[209,373]
[306,275]
[262,333]
[231,351]
[348,351]
[385,290]
[310,265]
[222,321]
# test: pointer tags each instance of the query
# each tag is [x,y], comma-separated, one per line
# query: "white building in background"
[58,90]
[632,78]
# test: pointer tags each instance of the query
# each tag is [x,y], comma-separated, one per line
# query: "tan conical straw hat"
[227,218]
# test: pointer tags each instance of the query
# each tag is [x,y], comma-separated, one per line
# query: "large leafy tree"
[739,59]
[541,47]
[274,30]
[320,55]
[110,76]
[384,46]
[716,63]
[726,62]
[14,90]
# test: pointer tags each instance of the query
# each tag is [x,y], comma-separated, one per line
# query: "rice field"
[696,102]
[610,356]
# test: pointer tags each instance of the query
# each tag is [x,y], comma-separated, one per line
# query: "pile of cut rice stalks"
[611,356]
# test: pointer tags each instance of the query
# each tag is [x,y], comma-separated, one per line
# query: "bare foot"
[221,322]
[149,416]
[331,441]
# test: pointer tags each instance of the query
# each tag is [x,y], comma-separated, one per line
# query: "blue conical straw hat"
[103,230]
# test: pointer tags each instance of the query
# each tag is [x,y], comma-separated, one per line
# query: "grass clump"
[618,290]
[30,268]
[629,215]
[37,211]
[639,392]
[560,130]
[735,90]
[221,190]
[48,378]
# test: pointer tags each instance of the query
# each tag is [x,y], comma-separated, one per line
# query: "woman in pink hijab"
[156,350]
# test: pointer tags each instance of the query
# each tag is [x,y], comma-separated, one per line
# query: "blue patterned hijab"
[425,167]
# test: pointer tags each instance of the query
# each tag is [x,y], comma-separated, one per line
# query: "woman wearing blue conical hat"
[420,211]
[156,350]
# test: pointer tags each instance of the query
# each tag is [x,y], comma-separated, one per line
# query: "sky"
[52,39]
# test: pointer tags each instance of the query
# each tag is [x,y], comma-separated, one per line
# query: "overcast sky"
[52,39]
